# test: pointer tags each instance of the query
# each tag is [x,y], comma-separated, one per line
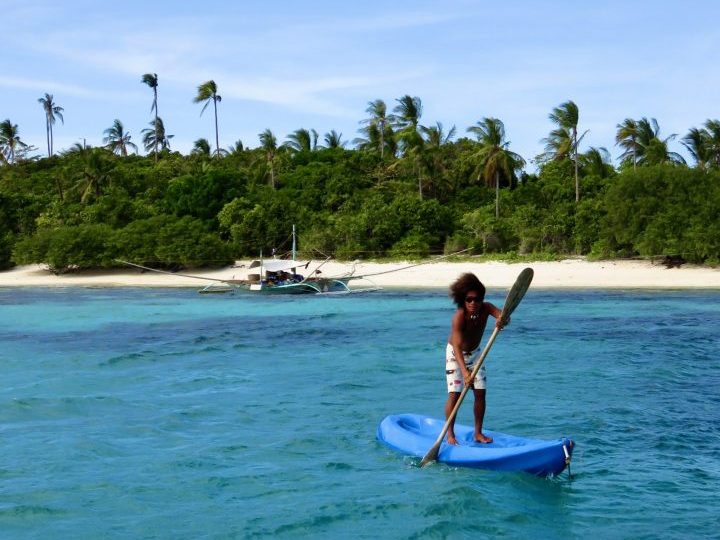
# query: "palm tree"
[558,145]
[627,138]
[268,143]
[713,130]
[333,139]
[597,162]
[207,92]
[117,140]
[10,143]
[52,111]
[151,79]
[406,119]
[77,148]
[494,158]
[415,153]
[566,116]
[435,137]
[379,122]
[657,152]
[302,140]
[154,136]
[96,172]
[697,143]
[653,150]
[237,148]
[376,139]
[201,147]
[647,130]
[408,112]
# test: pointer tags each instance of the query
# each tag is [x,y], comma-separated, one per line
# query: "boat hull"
[414,434]
[312,286]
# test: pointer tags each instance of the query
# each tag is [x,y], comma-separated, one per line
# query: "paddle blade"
[432,454]
[518,290]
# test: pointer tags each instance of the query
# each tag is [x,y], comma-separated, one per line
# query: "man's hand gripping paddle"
[514,297]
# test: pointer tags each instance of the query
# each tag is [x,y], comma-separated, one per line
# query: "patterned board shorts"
[453,374]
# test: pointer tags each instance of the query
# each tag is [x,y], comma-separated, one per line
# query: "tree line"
[404,189]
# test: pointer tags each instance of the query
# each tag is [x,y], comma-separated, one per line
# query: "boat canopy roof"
[282,265]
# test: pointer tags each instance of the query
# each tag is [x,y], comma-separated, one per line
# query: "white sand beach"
[569,273]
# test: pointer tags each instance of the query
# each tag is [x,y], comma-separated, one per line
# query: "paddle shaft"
[513,299]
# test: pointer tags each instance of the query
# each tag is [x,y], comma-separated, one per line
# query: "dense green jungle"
[403,190]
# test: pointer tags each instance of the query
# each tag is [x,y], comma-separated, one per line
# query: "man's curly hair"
[464,284]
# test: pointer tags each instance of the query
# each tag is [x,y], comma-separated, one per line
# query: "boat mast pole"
[293,243]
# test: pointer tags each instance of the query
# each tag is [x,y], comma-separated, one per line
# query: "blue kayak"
[415,434]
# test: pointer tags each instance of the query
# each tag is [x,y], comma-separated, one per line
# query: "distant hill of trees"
[404,190]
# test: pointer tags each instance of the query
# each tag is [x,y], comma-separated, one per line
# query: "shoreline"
[565,274]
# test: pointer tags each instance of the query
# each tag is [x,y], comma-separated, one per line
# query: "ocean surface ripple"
[160,413]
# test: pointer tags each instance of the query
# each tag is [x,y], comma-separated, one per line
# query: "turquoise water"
[156,413]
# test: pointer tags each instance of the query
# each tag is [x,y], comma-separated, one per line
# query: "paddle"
[514,297]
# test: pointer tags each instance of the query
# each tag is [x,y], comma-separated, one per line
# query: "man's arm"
[456,340]
[495,312]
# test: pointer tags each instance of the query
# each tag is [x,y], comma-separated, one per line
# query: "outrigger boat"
[281,276]
[278,276]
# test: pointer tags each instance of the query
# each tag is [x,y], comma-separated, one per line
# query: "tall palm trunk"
[497,194]
[47,134]
[577,178]
[156,123]
[217,136]
[382,140]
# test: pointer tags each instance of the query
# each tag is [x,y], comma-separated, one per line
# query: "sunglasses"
[472,300]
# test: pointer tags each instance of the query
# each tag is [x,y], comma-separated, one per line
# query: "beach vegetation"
[403,190]
[494,159]
[563,141]
[11,146]
[268,142]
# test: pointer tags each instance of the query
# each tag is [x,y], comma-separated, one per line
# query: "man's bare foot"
[482,439]
[452,440]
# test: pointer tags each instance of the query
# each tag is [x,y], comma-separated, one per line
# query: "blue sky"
[287,64]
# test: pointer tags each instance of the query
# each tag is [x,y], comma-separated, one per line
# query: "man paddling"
[467,327]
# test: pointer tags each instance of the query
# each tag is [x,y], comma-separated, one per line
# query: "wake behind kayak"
[414,434]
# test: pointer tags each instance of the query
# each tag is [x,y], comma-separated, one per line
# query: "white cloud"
[51,87]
